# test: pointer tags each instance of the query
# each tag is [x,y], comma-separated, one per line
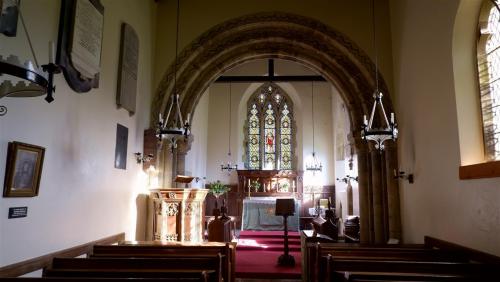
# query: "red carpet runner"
[257,255]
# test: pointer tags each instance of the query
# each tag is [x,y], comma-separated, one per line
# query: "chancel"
[376,120]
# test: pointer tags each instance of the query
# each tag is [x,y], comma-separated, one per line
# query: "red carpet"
[257,255]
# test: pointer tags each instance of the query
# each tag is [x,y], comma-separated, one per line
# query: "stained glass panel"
[286,137]
[490,89]
[269,135]
[270,141]
[253,138]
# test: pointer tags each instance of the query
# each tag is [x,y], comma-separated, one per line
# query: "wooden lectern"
[177,214]
[285,208]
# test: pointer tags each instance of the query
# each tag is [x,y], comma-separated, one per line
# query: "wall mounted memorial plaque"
[127,69]
[80,42]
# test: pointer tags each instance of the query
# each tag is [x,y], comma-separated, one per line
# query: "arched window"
[269,129]
[488,50]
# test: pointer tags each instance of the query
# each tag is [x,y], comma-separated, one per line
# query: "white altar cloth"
[258,214]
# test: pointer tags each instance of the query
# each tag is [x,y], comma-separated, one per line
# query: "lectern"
[285,208]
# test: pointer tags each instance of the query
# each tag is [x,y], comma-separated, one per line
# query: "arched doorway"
[319,47]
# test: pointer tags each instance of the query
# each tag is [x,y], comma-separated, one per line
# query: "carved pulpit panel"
[178,214]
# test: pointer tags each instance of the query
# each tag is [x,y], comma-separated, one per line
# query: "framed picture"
[24,169]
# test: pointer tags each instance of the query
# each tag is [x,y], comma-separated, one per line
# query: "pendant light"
[389,131]
[173,130]
[32,79]
[229,167]
[314,164]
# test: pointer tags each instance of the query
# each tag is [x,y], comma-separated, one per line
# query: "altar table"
[258,214]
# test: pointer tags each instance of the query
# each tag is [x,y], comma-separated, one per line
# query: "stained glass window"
[254,139]
[270,134]
[270,129]
[286,136]
[489,81]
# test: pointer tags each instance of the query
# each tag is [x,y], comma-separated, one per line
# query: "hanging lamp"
[389,131]
[31,79]
[314,164]
[229,167]
[174,129]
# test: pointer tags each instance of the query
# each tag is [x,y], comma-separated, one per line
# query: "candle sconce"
[140,158]
[404,176]
[347,178]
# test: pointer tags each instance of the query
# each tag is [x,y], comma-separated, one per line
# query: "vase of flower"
[218,189]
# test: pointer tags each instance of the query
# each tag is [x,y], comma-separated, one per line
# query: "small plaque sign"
[17,212]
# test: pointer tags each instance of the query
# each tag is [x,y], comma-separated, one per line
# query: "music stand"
[285,208]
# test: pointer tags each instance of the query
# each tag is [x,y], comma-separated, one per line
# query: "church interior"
[277,140]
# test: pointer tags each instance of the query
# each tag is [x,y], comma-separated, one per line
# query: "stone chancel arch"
[319,47]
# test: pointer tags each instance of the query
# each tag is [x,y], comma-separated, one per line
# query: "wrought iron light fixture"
[32,81]
[388,129]
[173,129]
[314,164]
[140,158]
[229,167]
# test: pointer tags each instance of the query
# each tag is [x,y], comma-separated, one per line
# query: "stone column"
[363,188]
[378,214]
[394,216]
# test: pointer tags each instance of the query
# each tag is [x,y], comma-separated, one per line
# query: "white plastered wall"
[438,204]
[82,196]
[196,159]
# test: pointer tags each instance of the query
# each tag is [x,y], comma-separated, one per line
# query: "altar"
[258,214]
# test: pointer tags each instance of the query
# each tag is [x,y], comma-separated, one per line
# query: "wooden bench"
[180,274]
[80,279]
[360,276]
[154,249]
[140,265]
[430,268]
[436,260]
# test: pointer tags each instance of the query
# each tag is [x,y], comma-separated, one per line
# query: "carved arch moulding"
[328,52]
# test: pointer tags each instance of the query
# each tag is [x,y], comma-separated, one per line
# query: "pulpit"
[177,214]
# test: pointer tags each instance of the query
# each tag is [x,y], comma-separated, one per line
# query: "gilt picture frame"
[24,170]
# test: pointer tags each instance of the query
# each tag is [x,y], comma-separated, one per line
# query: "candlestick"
[189,116]
[52,52]
[392,118]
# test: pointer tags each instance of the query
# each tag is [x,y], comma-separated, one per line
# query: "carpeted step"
[266,241]
[264,264]
[274,247]
[268,234]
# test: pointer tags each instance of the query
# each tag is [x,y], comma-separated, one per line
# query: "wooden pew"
[140,265]
[360,276]
[155,249]
[80,279]
[179,274]
[430,268]
[436,260]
